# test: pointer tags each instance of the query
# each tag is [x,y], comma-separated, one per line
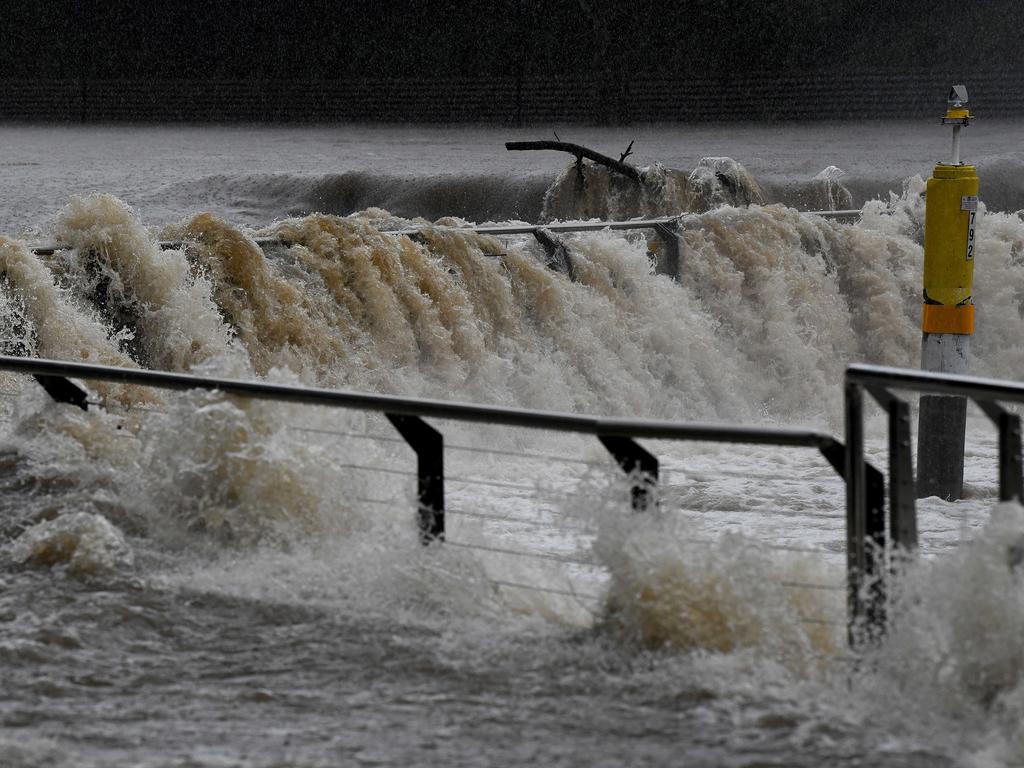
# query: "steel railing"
[871,545]
[664,226]
[867,540]
[406,415]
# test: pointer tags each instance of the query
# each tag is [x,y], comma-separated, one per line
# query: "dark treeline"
[318,39]
[507,62]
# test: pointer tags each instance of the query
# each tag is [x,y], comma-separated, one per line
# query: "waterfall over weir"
[254,568]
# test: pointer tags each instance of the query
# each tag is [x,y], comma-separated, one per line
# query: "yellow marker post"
[947,316]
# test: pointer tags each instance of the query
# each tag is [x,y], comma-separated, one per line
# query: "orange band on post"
[938,318]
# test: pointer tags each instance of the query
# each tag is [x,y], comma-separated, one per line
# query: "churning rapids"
[193,580]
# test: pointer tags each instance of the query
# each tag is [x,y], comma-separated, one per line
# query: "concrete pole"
[942,420]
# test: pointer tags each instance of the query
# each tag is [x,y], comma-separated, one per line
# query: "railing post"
[902,488]
[902,495]
[558,253]
[668,236]
[63,390]
[429,446]
[641,466]
[874,544]
[856,506]
[865,527]
[1011,485]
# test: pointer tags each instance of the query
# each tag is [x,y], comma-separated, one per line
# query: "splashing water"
[87,543]
[672,590]
[587,190]
[116,264]
[217,496]
[759,289]
[953,651]
[279,322]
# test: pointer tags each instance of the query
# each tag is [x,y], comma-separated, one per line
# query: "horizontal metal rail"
[439,409]
[594,226]
[974,387]
[166,245]
[495,230]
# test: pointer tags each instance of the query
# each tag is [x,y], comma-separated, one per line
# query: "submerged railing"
[872,545]
[663,226]
[406,415]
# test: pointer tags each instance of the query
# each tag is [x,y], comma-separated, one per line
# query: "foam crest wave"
[116,263]
[673,591]
[766,309]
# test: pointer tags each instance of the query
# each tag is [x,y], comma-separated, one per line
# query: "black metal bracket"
[1011,485]
[641,466]
[63,390]
[669,238]
[428,444]
[834,453]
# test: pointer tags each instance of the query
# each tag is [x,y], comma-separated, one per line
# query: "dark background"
[504,62]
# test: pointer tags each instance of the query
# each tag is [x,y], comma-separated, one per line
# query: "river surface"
[188,579]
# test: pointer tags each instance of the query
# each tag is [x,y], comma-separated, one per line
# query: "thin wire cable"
[808,585]
[458,447]
[381,501]
[109,406]
[804,550]
[544,492]
[552,590]
[377,469]
[529,455]
[358,435]
[455,446]
[502,518]
[699,474]
[492,483]
[708,542]
[520,553]
[586,596]
[837,517]
[781,547]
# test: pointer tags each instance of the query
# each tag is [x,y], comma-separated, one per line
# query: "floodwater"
[193,580]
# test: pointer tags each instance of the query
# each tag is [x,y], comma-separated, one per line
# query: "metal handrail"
[974,387]
[495,230]
[440,409]
[595,226]
[618,436]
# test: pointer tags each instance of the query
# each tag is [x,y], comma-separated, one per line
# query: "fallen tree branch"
[630,171]
[628,152]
